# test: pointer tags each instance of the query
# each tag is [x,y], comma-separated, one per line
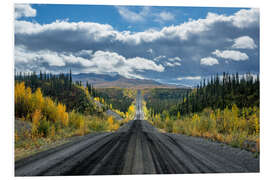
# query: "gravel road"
[137,148]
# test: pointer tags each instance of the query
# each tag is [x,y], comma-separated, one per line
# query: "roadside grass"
[28,142]
[235,127]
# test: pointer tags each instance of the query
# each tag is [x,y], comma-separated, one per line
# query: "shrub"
[44,127]
[36,116]
[52,131]
[98,125]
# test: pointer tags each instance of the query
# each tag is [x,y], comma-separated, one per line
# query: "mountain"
[116,80]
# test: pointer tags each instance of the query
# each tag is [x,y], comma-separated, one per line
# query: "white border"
[206,3]
[7,64]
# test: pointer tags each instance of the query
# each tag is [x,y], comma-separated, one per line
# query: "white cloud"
[150,51]
[231,54]
[166,16]
[98,32]
[131,16]
[244,42]
[143,15]
[24,10]
[84,52]
[246,17]
[209,61]
[241,19]
[25,57]
[175,59]
[172,64]
[101,62]
[189,78]
[159,58]
[189,40]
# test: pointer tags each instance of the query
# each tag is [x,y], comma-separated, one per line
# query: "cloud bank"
[196,47]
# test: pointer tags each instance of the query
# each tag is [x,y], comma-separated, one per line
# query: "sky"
[179,45]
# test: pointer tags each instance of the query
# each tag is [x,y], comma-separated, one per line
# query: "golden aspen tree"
[36,116]
[242,125]
[19,98]
[127,114]
[19,92]
[52,131]
[110,122]
[234,123]
[82,126]
[115,126]
[38,100]
[255,126]
[178,115]
[131,108]
[28,97]
[167,119]
[50,109]
[62,115]
[195,124]
[257,122]
[213,121]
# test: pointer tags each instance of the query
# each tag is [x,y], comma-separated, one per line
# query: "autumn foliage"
[38,109]
[233,126]
[49,118]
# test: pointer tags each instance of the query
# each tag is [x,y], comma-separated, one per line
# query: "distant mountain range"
[108,81]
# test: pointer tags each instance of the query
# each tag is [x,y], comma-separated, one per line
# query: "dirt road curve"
[137,148]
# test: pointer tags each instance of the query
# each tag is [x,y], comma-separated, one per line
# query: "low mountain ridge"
[109,81]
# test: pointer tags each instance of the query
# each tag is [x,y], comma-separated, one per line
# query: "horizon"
[192,85]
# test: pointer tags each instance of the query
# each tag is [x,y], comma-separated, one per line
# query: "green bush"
[44,127]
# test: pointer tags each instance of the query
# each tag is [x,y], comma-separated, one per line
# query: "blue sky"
[168,44]
[48,13]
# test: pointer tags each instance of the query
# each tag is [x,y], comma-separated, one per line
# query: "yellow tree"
[131,108]
[82,125]
[62,114]
[178,115]
[234,118]
[36,116]
[195,125]
[110,122]
[52,131]
[254,121]
[19,99]
[226,120]
[38,100]
[28,102]
[213,121]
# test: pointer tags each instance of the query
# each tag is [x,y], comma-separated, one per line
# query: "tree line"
[221,92]
[61,88]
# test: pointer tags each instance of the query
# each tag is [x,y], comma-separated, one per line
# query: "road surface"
[137,148]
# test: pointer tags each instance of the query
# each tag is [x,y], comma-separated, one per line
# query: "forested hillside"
[161,99]
[61,89]
[223,108]
[117,98]
[221,93]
